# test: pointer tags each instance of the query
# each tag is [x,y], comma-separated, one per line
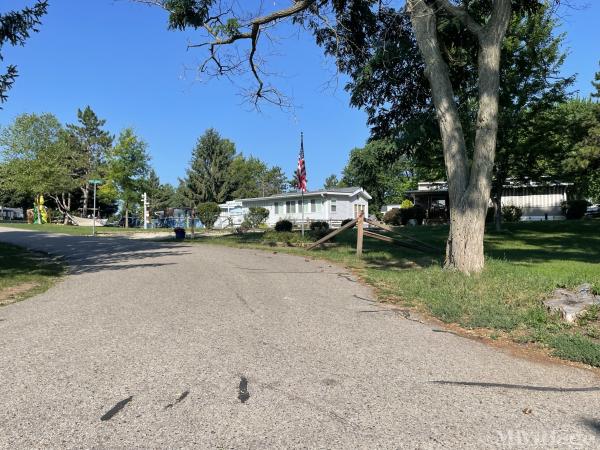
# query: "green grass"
[525,263]
[24,273]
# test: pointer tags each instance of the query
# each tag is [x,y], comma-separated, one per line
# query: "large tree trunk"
[468,187]
[86,196]
[126,217]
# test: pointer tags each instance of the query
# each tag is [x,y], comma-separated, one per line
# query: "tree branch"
[461,14]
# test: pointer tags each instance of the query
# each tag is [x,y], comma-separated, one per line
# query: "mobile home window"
[290,207]
[313,205]
[333,205]
[276,205]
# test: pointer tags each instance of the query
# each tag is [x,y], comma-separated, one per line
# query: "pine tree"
[596,84]
[15,27]
[93,144]
[208,176]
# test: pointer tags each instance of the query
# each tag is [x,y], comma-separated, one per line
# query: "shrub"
[319,225]
[256,216]
[283,226]
[345,221]
[574,209]
[511,213]
[406,204]
[319,229]
[392,217]
[208,213]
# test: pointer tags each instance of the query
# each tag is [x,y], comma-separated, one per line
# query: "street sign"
[95,181]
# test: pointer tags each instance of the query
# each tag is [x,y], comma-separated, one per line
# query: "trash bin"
[179,234]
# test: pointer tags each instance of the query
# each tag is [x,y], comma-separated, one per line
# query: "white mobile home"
[329,205]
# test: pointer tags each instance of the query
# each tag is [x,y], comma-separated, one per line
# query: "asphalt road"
[165,345]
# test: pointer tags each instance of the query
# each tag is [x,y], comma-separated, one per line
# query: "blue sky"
[118,57]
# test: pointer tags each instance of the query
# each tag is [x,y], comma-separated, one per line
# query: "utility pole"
[95,183]
[145,203]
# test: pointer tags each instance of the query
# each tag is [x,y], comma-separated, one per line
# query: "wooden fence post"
[359,234]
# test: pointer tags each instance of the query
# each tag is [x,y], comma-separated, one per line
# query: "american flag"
[301,171]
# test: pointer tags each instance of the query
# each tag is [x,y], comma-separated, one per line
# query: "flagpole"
[302,206]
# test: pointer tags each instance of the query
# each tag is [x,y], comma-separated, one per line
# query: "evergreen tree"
[15,28]
[208,178]
[93,144]
[251,177]
[331,182]
[596,84]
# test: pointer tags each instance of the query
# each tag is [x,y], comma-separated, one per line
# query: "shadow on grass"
[85,254]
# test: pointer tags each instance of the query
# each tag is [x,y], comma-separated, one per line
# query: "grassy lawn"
[525,263]
[24,273]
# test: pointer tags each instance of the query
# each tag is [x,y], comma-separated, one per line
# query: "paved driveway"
[161,345]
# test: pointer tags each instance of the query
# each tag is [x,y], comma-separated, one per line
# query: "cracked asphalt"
[167,345]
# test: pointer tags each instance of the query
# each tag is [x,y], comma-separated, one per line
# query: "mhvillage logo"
[546,439]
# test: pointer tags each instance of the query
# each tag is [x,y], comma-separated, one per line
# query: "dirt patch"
[15,293]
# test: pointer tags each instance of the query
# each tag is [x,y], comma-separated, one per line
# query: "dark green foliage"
[208,178]
[345,221]
[381,171]
[511,213]
[319,229]
[574,209]
[392,217]
[15,28]
[596,84]
[283,225]
[317,225]
[187,13]
[331,182]
[251,177]
[208,213]
[256,215]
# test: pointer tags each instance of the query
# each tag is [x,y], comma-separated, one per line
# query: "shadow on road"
[519,386]
[85,254]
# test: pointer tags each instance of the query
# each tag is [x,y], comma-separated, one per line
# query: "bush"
[574,209]
[256,216]
[392,217]
[208,213]
[345,221]
[319,229]
[317,225]
[283,226]
[511,213]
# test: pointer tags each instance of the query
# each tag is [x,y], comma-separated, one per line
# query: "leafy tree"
[251,177]
[208,213]
[15,28]
[377,168]
[93,144]
[208,178]
[128,168]
[331,182]
[348,29]
[36,159]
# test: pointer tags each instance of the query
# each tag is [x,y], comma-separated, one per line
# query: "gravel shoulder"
[163,344]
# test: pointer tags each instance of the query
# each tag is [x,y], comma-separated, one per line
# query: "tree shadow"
[592,424]
[85,254]
[517,386]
